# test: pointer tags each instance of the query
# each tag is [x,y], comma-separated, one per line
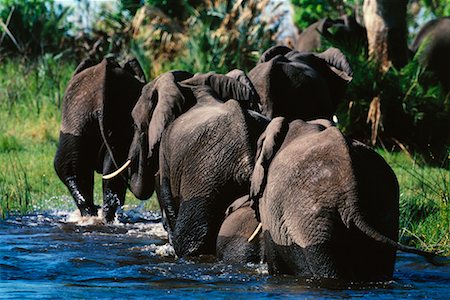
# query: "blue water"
[54,256]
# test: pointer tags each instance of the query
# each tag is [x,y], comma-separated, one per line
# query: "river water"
[59,255]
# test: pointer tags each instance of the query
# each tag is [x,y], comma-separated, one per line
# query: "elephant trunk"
[142,169]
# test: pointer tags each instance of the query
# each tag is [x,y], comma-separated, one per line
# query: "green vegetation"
[424,202]
[33,27]
[414,111]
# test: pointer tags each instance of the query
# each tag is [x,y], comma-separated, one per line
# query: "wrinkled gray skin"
[300,85]
[345,33]
[435,36]
[161,102]
[206,160]
[328,206]
[240,223]
[96,131]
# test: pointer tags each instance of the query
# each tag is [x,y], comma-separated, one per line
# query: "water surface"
[58,255]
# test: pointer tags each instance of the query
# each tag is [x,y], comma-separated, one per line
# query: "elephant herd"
[247,167]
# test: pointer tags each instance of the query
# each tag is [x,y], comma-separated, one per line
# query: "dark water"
[60,256]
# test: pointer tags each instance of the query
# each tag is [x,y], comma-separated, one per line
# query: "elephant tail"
[365,228]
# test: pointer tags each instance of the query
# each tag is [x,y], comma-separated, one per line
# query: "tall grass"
[15,195]
[424,202]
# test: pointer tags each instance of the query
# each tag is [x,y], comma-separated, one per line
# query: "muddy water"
[59,255]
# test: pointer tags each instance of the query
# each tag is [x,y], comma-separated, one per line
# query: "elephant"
[206,159]
[235,243]
[160,103]
[169,117]
[328,205]
[96,130]
[300,85]
[435,37]
[345,33]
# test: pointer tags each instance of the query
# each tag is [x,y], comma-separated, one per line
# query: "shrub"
[33,27]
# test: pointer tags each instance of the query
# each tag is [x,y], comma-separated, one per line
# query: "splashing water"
[64,255]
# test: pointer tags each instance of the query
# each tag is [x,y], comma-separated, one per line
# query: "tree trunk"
[385,21]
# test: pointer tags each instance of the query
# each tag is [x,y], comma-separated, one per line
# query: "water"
[60,255]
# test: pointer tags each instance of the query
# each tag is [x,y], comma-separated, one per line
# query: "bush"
[307,12]
[33,27]
[414,110]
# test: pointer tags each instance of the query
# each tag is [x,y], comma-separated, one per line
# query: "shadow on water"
[59,255]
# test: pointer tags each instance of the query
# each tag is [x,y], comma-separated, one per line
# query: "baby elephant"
[239,239]
[328,205]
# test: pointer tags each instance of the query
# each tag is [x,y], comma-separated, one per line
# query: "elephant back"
[83,97]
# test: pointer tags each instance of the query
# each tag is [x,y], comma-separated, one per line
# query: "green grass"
[424,202]
[30,97]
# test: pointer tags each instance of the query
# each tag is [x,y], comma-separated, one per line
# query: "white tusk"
[115,173]
[255,233]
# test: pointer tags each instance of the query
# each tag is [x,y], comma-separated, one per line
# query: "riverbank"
[30,101]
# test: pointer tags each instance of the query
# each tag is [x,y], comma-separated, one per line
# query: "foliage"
[237,41]
[177,9]
[307,12]
[218,37]
[424,202]
[437,7]
[414,108]
[33,27]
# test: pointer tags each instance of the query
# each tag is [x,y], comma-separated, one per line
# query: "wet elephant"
[182,123]
[344,33]
[434,36]
[96,131]
[239,239]
[328,205]
[300,85]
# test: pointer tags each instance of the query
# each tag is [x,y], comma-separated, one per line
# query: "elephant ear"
[272,52]
[241,202]
[338,63]
[338,73]
[121,91]
[269,143]
[240,76]
[133,67]
[166,102]
[84,64]
[323,25]
[264,77]
[225,87]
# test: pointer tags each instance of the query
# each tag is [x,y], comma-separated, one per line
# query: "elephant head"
[161,102]
[434,37]
[345,33]
[239,240]
[96,130]
[301,85]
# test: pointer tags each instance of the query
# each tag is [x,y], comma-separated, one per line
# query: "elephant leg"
[284,259]
[196,228]
[320,261]
[274,261]
[167,204]
[76,171]
[113,190]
